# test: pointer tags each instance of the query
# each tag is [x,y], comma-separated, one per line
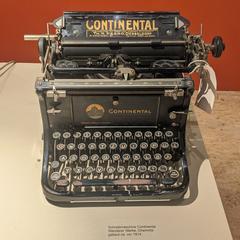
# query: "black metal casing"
[159,97]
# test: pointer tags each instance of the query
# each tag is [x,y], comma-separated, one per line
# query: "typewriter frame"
[176,88]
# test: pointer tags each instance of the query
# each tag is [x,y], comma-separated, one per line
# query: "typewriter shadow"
[196,154]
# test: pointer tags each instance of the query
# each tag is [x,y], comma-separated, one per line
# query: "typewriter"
[114,99]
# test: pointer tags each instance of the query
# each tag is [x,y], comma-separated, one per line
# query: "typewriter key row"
[129,184]
[115,157]
[87,135]
[120,146]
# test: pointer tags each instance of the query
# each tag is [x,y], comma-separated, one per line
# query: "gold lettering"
[142,24]
[115,24]
[110,25]
[121,25]
[148,25]
[154,28]
[89,27]
[128,25]
[97,25]
[135,25]
[129,111]
[104,25]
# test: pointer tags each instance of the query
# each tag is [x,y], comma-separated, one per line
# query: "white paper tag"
[207,88]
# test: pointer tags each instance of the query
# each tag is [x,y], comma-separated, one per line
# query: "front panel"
[117,110]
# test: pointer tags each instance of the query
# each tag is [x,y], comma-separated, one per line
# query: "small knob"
[218,46]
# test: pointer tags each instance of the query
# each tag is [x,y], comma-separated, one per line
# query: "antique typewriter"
[114,101]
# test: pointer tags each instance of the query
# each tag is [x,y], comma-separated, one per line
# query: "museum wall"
[30,17]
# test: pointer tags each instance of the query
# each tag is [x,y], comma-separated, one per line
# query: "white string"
[199,63]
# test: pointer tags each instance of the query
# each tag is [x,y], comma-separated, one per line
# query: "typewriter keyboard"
[115,160]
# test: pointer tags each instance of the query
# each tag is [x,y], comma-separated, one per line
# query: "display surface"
[91,222]
[114,100]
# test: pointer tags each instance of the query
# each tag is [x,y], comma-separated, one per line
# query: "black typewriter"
[114,100]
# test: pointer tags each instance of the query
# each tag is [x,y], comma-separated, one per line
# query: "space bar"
[107,182]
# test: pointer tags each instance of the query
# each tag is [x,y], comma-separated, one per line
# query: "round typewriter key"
[89,169]
[107,134]
[174,145]
[123,146]
[158,134]
[86,134]
[110,170]
[157,156]
[127,134]
[167,156]
[70,146]
[60,146]
[138,134]
[163,168]
[117,134]
[131,168]
[102,146]
[97,134]
[92,146]
[78,170]
[99,169]
[169,134]
[56,135]
[152,168]
[77,135]
[81,146]
[164,145]
[73,157]
[67,170]
[55,176]
[66,135]
[133,145]
[63,158]
[147,157]
[55,164]
[174,174]
[116,157]
[142,168]
[62,183]
[121,169]
[126,157]
[77,183]
[94,157]
[83,157]
[136,157]
[143,145]
[105,157]
[148,134]
[113,146]
[154,145]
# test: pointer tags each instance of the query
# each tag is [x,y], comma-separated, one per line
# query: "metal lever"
[173,114]
[35,37]
[180,112]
